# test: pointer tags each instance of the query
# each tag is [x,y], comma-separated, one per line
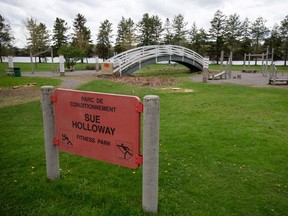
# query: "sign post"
[52,159]
[61,62]
[10,62]
[151,119]
[205,69]
[96,63]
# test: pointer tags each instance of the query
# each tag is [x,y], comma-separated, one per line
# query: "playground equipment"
[255,56]
[274,78]
[37,54]
[224,74]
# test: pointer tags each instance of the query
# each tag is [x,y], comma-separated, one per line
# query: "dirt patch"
[10,96]
[28,92]
[143,81]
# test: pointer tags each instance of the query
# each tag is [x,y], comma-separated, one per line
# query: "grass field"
[9,81]
[26,67]
[223,151]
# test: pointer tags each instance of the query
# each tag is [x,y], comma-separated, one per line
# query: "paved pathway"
[71,80]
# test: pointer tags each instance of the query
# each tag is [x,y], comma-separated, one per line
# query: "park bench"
[9,71]
[275,81]
[217,76]
[249,71]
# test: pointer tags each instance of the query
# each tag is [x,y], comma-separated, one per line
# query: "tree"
[81,37]
[274,41]
[232,31]
[156,29]
[71,54]
[258,33]
[60,33]
[198,38]
[125,35]
[5,37]
[38,39]
[245,39]
[103,45]
[217,34]
[179,30]
[150,29]
[284,38]
[168,35]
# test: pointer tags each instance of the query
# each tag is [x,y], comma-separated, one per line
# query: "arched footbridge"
[132,60]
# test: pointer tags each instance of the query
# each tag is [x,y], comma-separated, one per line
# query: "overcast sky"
[199,11]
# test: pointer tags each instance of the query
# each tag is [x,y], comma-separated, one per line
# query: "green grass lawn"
[9,81]
[223,151]
[26,67]
[39,67]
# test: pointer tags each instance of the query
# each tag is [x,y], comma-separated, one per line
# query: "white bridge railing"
[131,57]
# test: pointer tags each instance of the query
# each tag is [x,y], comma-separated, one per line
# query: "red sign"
[105,127]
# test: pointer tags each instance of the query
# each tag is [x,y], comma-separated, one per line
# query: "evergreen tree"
[168,35]
[179,30]
[5,37]
[232,31]
[125,35]
[144,31]
[217,34]
[258,33]
[284,38]
[274,42]
[156,29]
[43,36]
[198,38]
[104,36]
[82,36]
[245,39]
[150,30]
[60,33]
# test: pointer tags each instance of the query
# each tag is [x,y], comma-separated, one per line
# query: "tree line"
[226,32]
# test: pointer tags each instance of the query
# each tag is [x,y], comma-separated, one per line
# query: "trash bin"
[17,72]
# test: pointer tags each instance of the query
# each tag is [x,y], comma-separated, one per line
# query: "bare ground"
[250,79]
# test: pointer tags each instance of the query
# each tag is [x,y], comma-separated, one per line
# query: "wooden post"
[61,65]
[97,68]
[244,63]
[205,69]
[32,65]
[221,60]
[263,68]
[267,56]
[52,60]
[249,58]
[230,64]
